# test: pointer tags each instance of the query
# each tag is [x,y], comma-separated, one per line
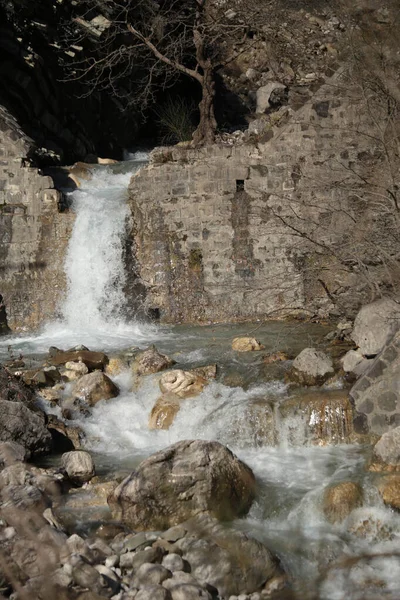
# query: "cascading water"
[288,514]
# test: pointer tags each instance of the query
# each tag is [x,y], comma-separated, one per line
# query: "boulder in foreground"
[187,479]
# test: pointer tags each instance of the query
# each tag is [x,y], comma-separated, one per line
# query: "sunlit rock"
[311,367]
[93,387]
[246,344]
[185,479]
[78,465]
[350,360]
[182,383]
[150,361]
[375,324]
[75,370]
[317,417]
[116,366]
[389,489]
[164,411]
[387,449]
[340,499]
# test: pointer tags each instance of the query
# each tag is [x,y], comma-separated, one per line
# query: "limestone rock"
[246,344]
[182,383]
[311,367]
[269,95]
[164,411]
[387,448]
[186,479]
[275,357]
[375,324]
[208,371]
[317,417]
[226,559]
[20,424]
[116,366]
[350,360]
[75,370]
[11,452]
[150,361]
[93,387]
[78,465]
[339,500]
[389,489]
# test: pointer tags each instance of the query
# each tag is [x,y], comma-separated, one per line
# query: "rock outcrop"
[182,481]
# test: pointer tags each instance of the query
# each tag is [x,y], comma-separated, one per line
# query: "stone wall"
[33,234]
[377,393]
[285,225]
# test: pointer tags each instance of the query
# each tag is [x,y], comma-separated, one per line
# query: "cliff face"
[51,109]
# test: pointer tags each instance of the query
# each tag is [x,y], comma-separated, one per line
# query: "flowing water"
[355,559]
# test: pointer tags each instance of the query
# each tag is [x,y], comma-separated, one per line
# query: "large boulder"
[228,560]
[184,480]
[20,424]
[93,387]
[375,324]
[311,367]
[183,384]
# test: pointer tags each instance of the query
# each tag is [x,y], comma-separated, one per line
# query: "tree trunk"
[206,129]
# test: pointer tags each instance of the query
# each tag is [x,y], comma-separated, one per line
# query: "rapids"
[355,559]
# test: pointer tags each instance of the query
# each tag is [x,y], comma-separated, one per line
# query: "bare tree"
[154,42]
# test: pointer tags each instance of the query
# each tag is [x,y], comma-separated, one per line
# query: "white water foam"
[92,313]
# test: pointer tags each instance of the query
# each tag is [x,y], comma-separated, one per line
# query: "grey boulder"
[186,479]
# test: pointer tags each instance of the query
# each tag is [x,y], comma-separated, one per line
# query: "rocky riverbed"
[219,463]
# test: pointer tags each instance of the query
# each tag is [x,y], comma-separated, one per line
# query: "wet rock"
[21,425]
[116,366]
[311,367]
[246,344]
[93,360]
[164,411]
[11,452]
[93,387]
[389,489]
[317,417]
[183,384]
[387,449]
[339,500]
[79,466]
[75,370]
[183,480]
[375,324]
[275,357]
[226,559]
[150,361]
[207,372]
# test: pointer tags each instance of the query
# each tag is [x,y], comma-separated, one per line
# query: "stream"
[241,409]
